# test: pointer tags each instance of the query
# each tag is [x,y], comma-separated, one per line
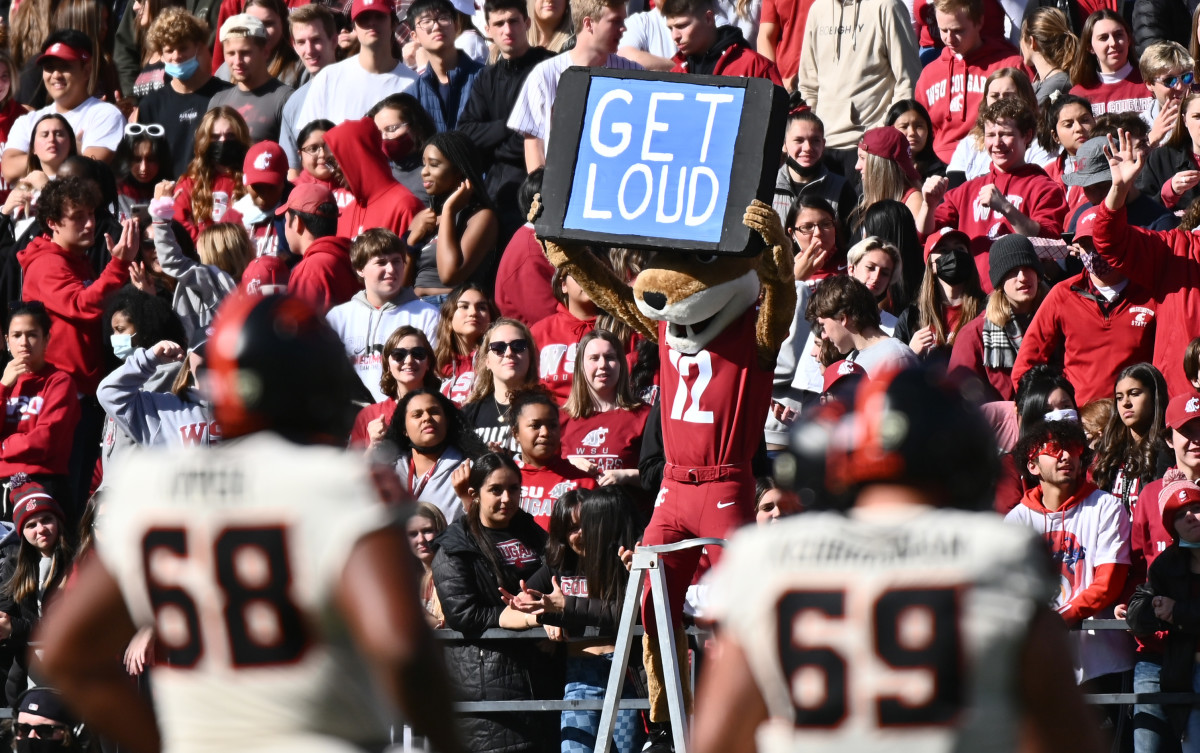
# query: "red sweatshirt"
[541,487]
[789,17]
[459,379]
[951,88]
[224,194]
[927,33]
[523,279]
[1028,188]
[1074,194]
[557,337]
[1167,264]
[325,277]
[737,58]
[384,408]
[42,410]
[1091,339]
[1117,93]
[63,282]
[380,200]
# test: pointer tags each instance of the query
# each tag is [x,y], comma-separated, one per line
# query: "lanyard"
[414,486]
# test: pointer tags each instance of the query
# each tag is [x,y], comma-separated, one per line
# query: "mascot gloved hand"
[719,322]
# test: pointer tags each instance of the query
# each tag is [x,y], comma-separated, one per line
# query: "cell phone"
[1068,238]
[141,213]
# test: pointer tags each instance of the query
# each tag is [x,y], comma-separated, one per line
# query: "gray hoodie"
[115,441]
[154,418]
[201,286]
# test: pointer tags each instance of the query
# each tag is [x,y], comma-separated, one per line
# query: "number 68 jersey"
[234,555]
[899,632]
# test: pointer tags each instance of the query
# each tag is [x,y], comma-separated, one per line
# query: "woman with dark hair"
[214,178]
[405,128]
[424,526]
[434,441]
[33,577]
[493,547]
[582,585]
[804,173]
[1133,449]
[1102,71]
[538,434]
[454,239]
[51,143]
[813,226]
[143,159]
[466,315]
[891,221]
[1066,124]
[772,502]
[409,358]
[912,119]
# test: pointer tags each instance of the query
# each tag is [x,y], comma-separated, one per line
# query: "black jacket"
[1161,165]
[1161,21]
[490,670]
[1170,575]
[24,616]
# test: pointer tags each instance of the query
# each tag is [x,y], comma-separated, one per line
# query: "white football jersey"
[234,555]
[896,632]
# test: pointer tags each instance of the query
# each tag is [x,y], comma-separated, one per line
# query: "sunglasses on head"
[418,353]
[517,346]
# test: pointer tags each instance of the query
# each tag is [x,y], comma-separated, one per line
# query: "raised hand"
[934,190]
[127,246]
[1124,161]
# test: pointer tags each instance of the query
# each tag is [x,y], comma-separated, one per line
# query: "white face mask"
[122,345]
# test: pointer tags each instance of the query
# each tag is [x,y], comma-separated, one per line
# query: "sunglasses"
[44,731]
[517,346]
[153,130]
[1056,450]
[418,354]
[1172,81]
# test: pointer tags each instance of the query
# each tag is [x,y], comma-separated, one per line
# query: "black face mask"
[34,745]
[229,153]
[954,267]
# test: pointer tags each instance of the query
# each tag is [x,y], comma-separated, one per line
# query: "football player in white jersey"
[904,625]
[272,574]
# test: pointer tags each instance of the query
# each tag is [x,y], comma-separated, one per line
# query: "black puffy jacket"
[1161,21]
[492,670]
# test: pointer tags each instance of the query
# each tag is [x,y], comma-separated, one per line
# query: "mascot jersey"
[896,630]
[714,405]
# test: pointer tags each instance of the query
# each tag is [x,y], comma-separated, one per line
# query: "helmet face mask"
[275,364]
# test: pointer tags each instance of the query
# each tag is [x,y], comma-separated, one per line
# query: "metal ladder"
[646,560]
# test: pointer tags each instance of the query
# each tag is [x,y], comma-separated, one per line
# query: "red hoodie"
[951,88]
[1092,340]
[557,337]
[523,279]
[380,200]
[42,410]
[736,59]
[325,277]
[1167,264]
[541,487]
[928,36]
[62,281]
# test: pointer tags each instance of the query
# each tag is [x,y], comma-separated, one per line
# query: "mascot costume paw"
[718,322]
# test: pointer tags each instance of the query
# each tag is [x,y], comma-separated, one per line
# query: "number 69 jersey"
[234,555]
[897,633]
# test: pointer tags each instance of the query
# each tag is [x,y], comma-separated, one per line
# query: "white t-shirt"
[1096,531]
[235,555]
[886,355]
[897,631]
[346,91]
[535,104]
[96,124]
[647,31]
[474,45]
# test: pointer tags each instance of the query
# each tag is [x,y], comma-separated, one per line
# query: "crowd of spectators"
[1005,187]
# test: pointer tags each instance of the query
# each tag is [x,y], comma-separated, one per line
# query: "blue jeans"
[435,300]
[587,679]
[1150,726]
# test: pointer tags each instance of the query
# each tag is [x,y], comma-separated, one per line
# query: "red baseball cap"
[265,163]
[889,143]
[1177,494]
[1085,224]
[310,198]
[1183,409]
[835,371]
[65,51]
[370,6]
[947,233]
[265,275]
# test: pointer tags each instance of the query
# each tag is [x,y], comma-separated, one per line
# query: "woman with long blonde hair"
[506,361]
[549,24]
[214,177]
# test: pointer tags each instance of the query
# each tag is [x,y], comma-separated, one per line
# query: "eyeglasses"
[517,347]
[418,353]
[137,129]
[429,23]
[1172,81]
[809,228]
[44,731]
[314,149]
